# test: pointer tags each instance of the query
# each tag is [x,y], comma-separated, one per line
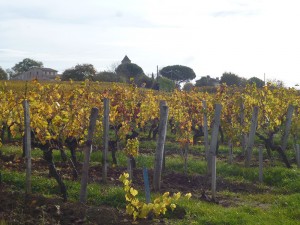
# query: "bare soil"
[15,208]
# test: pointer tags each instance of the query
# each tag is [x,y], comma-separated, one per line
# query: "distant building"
[126,60]
[208,81]
[214,82]
[37,73]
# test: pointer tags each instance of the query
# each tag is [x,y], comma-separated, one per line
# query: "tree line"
[169,77]
[229,79]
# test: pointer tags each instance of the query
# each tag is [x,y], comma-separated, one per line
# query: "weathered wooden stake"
[146,184]
[162,130]
[161,104]
[27,145]
[251,136]
[242,122]
[298,155]
[214,137]
[260,159]
[185,156]
[205,129]
[129,168]
[213,176]
[105,139]
[87,153]
[288,125]
[230,157]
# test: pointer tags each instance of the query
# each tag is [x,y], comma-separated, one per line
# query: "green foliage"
[207,82]
[140,80]
[144,81]
[178,73]
[129,70]
[106,76]
[231,79]
[208,89]
[254,80]
[24,65]
[3,74]
[276,83]
[140,209]
[79,73]
[188,87]
[165,84]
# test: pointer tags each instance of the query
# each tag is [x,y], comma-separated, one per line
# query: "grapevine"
[139,209]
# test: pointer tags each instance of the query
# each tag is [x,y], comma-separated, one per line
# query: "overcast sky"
[246,37]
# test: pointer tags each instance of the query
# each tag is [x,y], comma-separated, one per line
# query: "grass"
[97,194]
[279,205]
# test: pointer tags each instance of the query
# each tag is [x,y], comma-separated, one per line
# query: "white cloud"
[249,38]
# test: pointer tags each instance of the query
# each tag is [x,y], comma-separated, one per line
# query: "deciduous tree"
[188,87]
[79,72]
[107,76]
[207,81]
[3,74]
[231,79]
[259,83]
[178,73]
[129,70]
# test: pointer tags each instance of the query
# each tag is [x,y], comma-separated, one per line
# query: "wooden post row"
[146,185]
[260,159]
[288,125]
[162,131]
[27,145]
[105,139]
[161,104]
[87,153]
[205,129]
[242,122]
[230,153]
[212,166]
[214,137]
[251,136]
[298,155]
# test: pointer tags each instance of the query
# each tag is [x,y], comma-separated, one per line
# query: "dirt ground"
[36,209]
[16,208]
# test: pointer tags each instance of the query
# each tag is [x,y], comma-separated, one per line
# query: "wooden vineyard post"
[251,136]
[161,104]
[287,129]
[146,185]
[205,129]
[214,177]
[212,166]
[105,139]
[214,137]
[27,145]
[242,122]
[260,159]
[230,155]
[162,131]
[129,168]
[87,153]
[185,155]
[296,131]
[298,155]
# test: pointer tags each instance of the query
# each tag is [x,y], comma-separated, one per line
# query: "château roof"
[43,69]
[126,60]
[48,69]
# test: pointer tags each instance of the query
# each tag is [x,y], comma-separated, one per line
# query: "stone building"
[37,73]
